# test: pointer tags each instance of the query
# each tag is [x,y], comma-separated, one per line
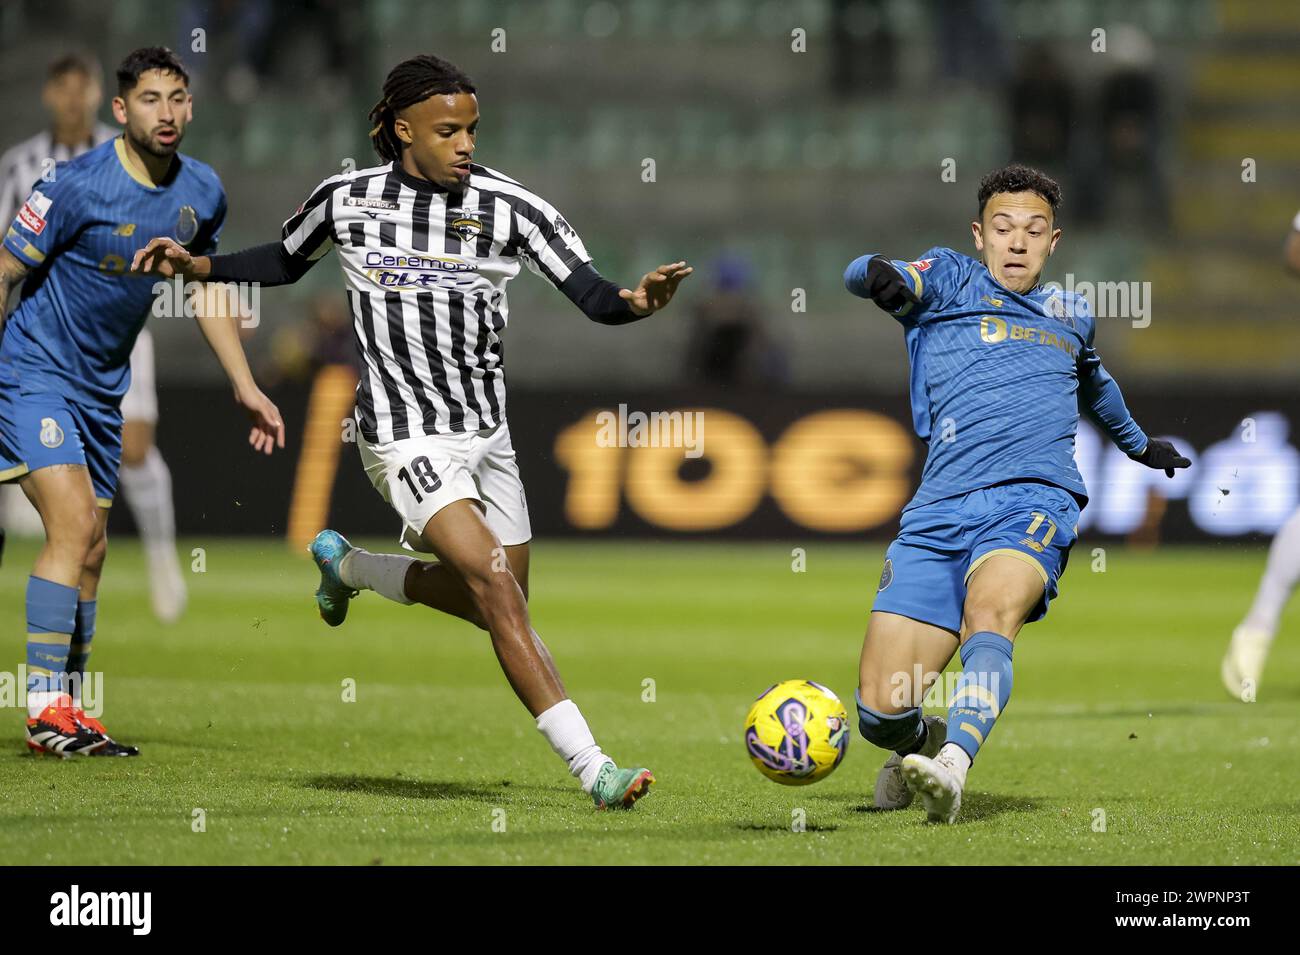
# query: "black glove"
[886,287]
[1161,454]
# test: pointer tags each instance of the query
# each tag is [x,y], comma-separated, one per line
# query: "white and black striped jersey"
[426,271]
[22,165]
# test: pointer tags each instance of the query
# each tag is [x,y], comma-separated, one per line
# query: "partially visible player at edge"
[64,366]
[1001,367]
[1243,663]
[72,95]
[427,243]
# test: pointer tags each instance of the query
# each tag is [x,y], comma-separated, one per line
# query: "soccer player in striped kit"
[427,243]
[72,96]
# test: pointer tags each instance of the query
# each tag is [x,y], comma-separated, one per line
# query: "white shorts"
[140,403]
[421,476]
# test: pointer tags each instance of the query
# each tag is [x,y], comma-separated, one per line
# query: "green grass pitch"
[240,713]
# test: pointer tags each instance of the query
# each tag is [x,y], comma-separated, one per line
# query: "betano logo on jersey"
[994,329]
[417,271]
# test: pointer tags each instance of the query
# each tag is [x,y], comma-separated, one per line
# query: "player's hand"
[886,287]
[165,257]
[656,289]
[1162,455]
[267,432]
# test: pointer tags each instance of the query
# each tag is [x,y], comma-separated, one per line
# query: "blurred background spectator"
[730,343]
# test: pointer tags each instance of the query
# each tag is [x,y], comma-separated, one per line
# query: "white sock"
[385,574]
[953,755]
[148,490]
[567,732]
[1281,575]
[39,700]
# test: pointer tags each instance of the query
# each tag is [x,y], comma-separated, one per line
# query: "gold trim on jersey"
[29,250]
[119,146]
[916,276]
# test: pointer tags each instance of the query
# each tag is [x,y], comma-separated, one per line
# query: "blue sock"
[51,620]
[901,732]
[79,651]
[982,690]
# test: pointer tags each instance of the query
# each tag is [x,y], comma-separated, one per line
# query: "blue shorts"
[41,429]
[939,545]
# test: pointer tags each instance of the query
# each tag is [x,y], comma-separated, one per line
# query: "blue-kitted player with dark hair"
[64,365]
[1001,367]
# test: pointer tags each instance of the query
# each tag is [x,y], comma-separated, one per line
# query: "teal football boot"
[332,596]
[620,788]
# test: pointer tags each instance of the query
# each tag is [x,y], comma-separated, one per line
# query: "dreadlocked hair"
[411,81]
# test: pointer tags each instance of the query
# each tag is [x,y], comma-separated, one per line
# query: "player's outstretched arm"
[168,258]
[656,289]
[268,265]
[1162,456]
[219,328]
[607,304]
[1101,399]
[874,277]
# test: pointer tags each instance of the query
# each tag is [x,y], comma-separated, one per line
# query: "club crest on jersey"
[467,225]
[51,433]
[187,225]
[1054,307]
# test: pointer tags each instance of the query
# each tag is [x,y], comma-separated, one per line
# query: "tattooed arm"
[12,273]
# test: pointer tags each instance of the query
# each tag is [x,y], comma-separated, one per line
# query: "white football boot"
[891,787]
[939,781]
[1243,664]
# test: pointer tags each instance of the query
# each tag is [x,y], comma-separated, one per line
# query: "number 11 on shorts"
[1034,525]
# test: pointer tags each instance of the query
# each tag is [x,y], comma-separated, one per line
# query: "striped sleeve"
[307,233]
[549,245]
[539,235]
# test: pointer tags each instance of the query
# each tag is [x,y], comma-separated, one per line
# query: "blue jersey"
[81,311]
[998,378]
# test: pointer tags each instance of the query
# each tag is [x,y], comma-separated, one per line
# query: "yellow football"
[797,732]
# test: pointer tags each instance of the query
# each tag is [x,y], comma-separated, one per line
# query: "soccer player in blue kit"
[1001,367]
[64,365]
